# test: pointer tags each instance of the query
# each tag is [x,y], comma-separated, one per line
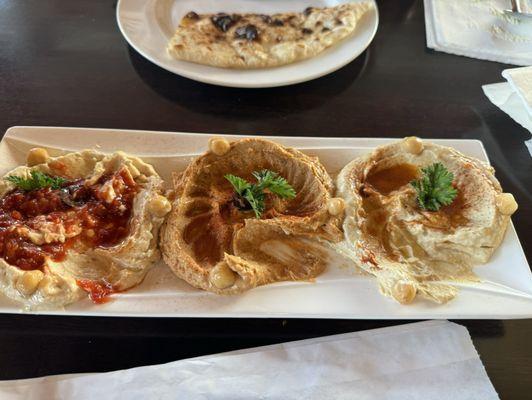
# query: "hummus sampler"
[82,222]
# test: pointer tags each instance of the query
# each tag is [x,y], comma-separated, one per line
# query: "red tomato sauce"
[99,291]
[85,213]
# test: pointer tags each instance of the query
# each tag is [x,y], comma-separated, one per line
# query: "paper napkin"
[479,29]
[514,97]
[520,79]
[426,360]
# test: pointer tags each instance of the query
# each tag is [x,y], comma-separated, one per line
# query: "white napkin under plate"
[514,97]
[425,360]
[480,29]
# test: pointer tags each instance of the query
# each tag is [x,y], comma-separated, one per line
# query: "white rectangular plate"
[506,290]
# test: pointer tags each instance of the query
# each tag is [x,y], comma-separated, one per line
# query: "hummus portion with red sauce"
[95,233]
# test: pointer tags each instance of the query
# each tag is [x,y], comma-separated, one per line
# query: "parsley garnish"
[254,194]
[37,180]
[435,188]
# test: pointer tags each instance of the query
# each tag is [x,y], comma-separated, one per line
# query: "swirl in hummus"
[408,248]
[214,241]
[94,232]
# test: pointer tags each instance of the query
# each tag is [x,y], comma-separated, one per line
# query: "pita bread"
[257,41]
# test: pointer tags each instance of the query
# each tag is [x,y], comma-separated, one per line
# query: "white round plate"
[148,25]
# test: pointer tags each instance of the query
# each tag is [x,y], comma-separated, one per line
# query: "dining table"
[65,63]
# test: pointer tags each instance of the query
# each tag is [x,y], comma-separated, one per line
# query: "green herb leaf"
[37,180]
[255,197]
[238,183]
[254,193]
[275,184]
[435,188]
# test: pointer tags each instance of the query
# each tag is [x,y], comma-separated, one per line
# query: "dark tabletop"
[64,63]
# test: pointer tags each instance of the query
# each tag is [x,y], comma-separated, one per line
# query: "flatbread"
[257,41]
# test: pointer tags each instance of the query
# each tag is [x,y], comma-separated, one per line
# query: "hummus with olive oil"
[410,250]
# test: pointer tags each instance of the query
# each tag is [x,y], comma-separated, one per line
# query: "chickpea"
[159,206]
[506,203]
[222,276]
[219,146]
[413,144]
[404,292]
[336,206]
[37,156]
[27,283]
[48,286]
